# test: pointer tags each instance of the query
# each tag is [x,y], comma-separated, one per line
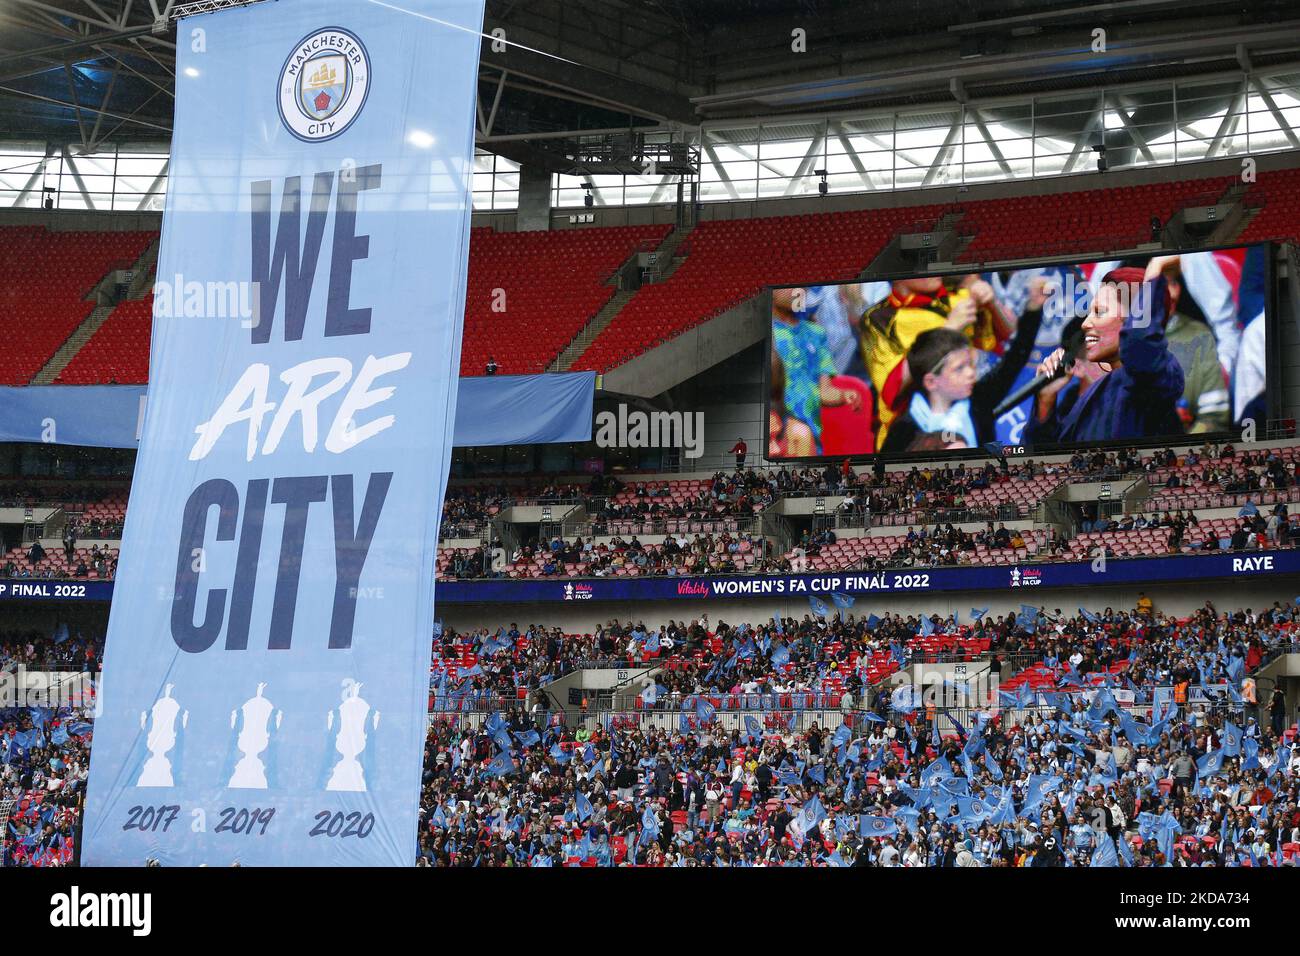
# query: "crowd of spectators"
[1074,779]
[1057,773]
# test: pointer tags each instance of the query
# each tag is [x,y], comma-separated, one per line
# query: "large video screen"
[1142,350]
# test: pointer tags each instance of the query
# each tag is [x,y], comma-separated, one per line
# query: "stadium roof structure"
[95,71]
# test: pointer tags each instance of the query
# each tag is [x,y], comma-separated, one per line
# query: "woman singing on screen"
[1125,383]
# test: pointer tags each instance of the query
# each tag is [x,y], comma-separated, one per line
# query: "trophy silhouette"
[254,737]
[351,740]
[161,722]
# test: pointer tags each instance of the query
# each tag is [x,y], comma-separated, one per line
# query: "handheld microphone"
[1073,346]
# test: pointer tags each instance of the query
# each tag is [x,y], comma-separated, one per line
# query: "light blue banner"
[266,668]
[491,410]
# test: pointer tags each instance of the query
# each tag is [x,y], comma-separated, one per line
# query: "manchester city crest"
[323,84]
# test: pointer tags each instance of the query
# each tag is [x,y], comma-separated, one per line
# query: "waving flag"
[652,643]
[1005,813]
[1211,763]
[501,766]
[752,728]
[584,807]
[810,815]
[873,622]
[927,626]
[971,812]
[819,607]
[869,826]
[905,699]
[705,711]
[937,771]
[977,612]
[1231,740]
[1089,616]
[841,736]
[780,656]
[992,764]
[1104,854]
[843,600]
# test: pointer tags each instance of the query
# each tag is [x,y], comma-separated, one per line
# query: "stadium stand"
[46,279]
[554,282]
[118,351]
[530,293]
[804,754]
[729,261]
[1089,220]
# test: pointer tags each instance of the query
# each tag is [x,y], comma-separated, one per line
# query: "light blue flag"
[843,601]
[1250,754]
[1211,763]
[1236,668]
[937,771]
[1282,763]
[905,699]
[927,626]
[1036,790]
[1231,740]
[976,613]
[819,607]
[810,815]
[528,738]
[705,711]
[817,774]
[876,826]
[873,622]
[652,643]
[972,811]
[584,807]
[780,656]
[841,736]
[501,766]
[1005,813]
[1088,616]
[1125,851]
[302,441]
[59,736]
[752,728]
[1105,854]
[994,770]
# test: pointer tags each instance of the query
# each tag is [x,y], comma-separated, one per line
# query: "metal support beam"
[945,151]
[154,186]
[1228,126]
[71,166]
[993,146]
[806,164]
[727,184]
[103,105]
[1097,121]
[1139,140]
[76,106]
[853,156]
[1267,97]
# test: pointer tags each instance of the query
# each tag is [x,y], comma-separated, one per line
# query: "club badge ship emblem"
[324,84]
